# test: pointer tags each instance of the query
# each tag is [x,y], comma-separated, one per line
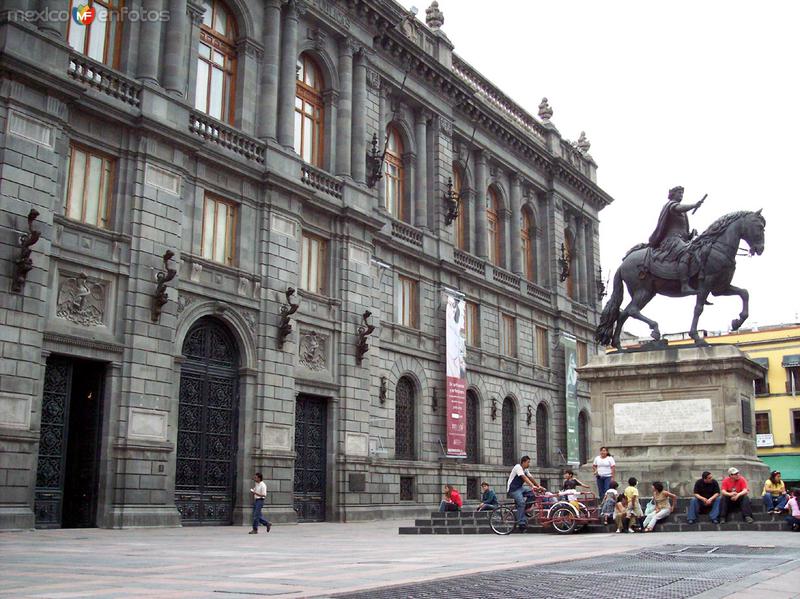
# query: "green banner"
[571,386]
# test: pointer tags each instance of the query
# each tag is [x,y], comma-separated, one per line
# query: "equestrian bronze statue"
[677,262]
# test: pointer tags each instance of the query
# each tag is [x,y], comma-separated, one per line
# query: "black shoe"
[748,519]
[253,532]
[691,522]
[269,526]
[715,522]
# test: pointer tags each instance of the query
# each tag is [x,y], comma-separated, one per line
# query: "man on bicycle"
[521,487]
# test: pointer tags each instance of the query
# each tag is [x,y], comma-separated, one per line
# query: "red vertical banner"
[456,403]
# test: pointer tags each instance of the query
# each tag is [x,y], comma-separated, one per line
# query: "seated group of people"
[625,508]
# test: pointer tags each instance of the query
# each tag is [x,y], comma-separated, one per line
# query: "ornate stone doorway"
[205,473]
[310,467]
[67,473]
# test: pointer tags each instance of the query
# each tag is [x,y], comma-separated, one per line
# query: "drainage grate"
[675,571]
[728,549]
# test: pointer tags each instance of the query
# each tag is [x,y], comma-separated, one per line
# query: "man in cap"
[734,496]
[706,499]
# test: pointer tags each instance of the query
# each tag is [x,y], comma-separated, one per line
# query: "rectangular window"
[795,427]
[406,302]
[761,386]
[219,230]
[508,336]
[762,423]
[583,357]
[314,273]
[793,379]
[542,348]
[89,187]
[472,325]
[99,38]
[406,488]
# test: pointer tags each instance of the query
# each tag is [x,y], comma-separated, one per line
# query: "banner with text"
[456,419]
[571,375]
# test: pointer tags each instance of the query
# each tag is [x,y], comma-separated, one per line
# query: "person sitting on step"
[706,499]
[452,501]
[735,496]
[793,505]
[621,514]
[488,498]
[663,507]
[774,494]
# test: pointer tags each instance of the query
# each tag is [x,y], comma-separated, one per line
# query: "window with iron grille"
[472,427]
[404,420]
[473,487]
[406,488]
[509,432]
[542,436]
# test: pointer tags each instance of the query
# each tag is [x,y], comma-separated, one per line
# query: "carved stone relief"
[313,350]
[81,300]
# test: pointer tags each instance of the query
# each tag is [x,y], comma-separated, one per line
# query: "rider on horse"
[670,240]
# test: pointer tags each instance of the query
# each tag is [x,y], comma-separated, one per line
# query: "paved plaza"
[363,559]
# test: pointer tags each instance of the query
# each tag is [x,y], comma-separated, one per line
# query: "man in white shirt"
[518,491]
[259,492]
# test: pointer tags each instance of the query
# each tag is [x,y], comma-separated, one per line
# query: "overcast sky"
[700,94]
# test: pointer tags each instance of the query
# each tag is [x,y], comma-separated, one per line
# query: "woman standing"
[604,469]
[774,494]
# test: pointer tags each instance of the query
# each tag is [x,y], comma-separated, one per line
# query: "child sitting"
[608,504]
[621,512]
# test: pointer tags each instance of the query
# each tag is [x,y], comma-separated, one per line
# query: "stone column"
[195,13]
[421,175]
[515,251]
[52,25]
[358,141]
[268,100]
[175,47]
[150,44]
[344,124]
[288,80]
[480,204]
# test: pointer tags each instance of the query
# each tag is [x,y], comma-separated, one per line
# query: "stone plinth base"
[668,415]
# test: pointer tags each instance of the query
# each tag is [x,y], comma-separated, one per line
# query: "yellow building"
[777,395]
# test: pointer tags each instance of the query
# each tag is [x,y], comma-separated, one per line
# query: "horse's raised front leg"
[640,299]
[699,304]
[742,293]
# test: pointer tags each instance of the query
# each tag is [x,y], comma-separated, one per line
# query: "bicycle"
[564,516]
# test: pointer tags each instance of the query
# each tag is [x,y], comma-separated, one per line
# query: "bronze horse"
[713,262]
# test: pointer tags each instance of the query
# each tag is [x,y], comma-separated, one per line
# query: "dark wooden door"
[48,499]
[205,474]
[472,428]
[310,445]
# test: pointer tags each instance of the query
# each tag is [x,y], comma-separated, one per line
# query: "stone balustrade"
[406,233]
[321,181]
[104,79]
[212,131]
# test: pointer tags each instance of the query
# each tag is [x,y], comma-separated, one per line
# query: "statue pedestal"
[668,415]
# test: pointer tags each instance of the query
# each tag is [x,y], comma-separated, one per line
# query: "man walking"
[259,492]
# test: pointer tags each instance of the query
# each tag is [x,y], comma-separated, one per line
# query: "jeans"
[486,507]
[774,502]
[447,506]
[743,504]
[651,519]
[258,504]
[520,496]
[793,522]
[697,507]
[603,485]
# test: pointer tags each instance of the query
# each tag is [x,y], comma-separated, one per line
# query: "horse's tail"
[604,333]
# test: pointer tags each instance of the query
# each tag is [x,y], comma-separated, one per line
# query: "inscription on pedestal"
[671,416]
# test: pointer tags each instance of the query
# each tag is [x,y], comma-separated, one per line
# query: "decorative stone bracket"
[494,409]
[383,390]
[24,264]
[287,322]
[364,331]
[160,297]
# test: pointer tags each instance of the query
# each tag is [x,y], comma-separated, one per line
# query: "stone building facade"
[186,173]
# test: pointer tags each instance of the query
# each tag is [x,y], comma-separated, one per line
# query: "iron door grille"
[509,441]
[404,420]
[310,441]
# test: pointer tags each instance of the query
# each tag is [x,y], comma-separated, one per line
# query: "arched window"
[472,427]
[216,62]
[509,432]
[461,235]
[528,237]
[542,437]
[583,437]
[308,111]
[492,227]
[569,249]
[393,175]
[404,420]
[99,38]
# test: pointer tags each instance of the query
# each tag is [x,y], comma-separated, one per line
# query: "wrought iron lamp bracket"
[287,322]
[24,263]
[160,297]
